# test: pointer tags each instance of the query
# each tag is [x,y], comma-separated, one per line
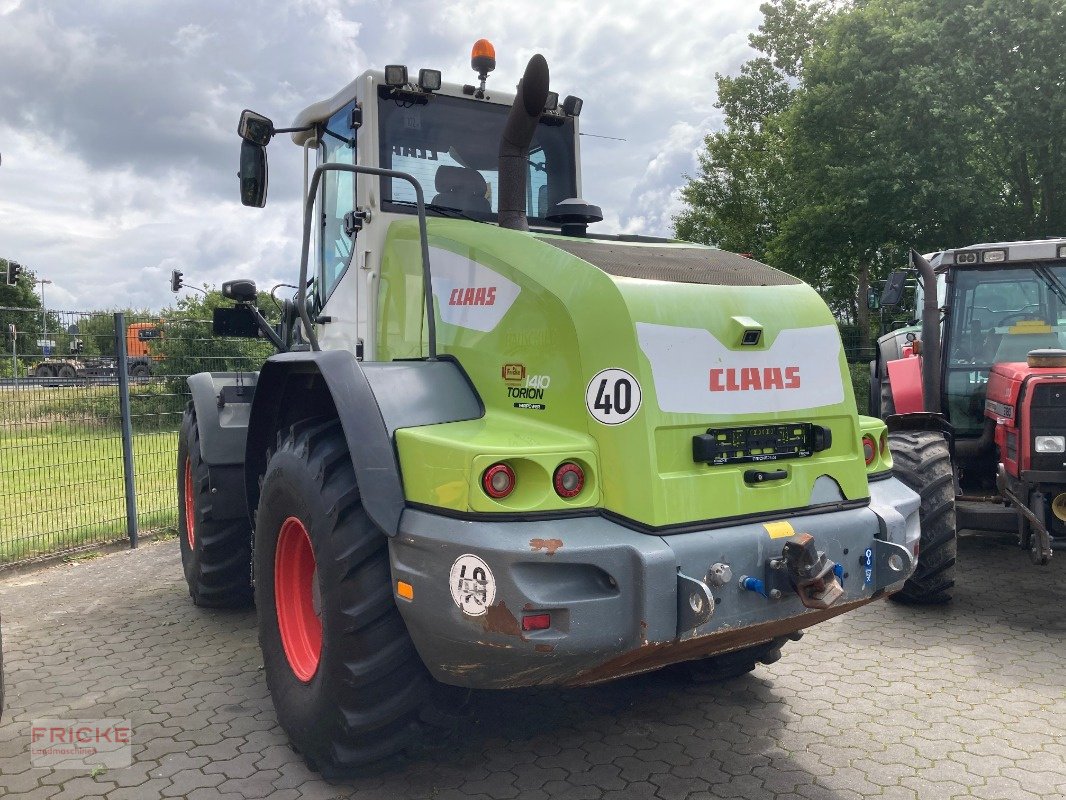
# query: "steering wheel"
[1018,315]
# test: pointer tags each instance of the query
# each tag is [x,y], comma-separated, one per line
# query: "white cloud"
[117,121]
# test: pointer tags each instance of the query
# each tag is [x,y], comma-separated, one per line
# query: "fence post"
[122,368]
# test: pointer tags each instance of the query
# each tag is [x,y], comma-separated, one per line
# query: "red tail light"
[498,481]
[569,480]
[536,622]
[869,449]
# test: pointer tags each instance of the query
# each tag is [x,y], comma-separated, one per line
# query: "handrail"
[309,209]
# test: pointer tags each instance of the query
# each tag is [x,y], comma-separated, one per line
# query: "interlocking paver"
[890,702]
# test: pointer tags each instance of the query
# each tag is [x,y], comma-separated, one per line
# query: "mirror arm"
[293,130]
[265,327]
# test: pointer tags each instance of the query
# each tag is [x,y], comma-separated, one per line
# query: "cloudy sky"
[118,118]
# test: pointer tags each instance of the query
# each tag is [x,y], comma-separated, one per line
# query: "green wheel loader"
[497,450]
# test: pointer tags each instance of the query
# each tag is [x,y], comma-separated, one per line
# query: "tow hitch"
[813,576]
[801,568]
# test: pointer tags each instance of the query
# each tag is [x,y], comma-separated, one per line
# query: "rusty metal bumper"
[621,601]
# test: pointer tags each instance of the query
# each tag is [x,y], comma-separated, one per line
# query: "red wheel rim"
[294,599]
[190,506]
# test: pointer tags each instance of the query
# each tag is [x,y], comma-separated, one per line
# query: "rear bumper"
[618,599]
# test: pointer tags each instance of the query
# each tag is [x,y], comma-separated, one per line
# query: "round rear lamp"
[569,480]
[869,449]
[498,481]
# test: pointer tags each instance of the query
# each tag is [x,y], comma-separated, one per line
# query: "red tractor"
[978,382]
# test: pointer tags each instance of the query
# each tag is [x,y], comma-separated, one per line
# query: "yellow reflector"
[779,530]
[405,590]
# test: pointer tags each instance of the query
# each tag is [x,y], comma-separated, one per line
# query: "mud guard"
[222,401]
[371,400]
[905,380]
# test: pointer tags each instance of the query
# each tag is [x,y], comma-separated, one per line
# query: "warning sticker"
[779,530]
[472,585]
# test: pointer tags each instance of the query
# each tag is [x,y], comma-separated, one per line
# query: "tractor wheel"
[921,460]
[348,686]
[140,372]
[66,371]
[216,548]
[739,662]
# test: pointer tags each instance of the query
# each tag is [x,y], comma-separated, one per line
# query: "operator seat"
[461,188]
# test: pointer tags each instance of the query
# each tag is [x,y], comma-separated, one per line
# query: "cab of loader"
[447,137]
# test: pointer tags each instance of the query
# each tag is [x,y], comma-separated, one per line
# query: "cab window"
[337,199]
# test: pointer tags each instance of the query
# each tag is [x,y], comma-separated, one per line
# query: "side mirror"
[893,291]
[255,128]
[873,299]
[240,291]
[253,174]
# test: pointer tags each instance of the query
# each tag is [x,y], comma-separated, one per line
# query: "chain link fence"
[64,457]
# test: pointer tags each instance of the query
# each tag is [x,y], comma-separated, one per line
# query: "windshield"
[998,316]
[451,146]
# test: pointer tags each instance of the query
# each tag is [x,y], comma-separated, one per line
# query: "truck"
[981,367]
[497,450]
[140,362]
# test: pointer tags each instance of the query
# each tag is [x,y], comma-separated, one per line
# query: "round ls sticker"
[472,585]
[613,396]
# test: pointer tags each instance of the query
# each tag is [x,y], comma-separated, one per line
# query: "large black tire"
[921,460]
[140,371]
[216,542]
[44,371]
[66,371]
[358,693]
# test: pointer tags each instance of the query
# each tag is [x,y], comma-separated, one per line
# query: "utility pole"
[44,315]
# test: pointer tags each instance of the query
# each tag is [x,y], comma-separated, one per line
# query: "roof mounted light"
[1062,251]
[483,58]
[552,103]
[395,75]
[429,80]
[993,256]
[966,258]
[572,106]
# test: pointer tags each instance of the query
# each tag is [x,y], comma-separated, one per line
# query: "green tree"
[187,345]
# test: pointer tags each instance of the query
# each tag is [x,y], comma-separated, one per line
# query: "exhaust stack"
[514,144]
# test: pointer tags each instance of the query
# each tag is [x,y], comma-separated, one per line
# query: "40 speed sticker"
[613,396]
[472,584]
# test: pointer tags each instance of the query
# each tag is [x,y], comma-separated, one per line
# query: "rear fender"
[905,380]
[371,400]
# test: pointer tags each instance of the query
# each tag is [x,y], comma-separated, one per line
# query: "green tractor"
[973,387]
[498,451]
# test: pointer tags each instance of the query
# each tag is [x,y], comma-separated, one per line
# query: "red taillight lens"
[569,480]
[869,449]
[536,622]
[498,481]
[884,444]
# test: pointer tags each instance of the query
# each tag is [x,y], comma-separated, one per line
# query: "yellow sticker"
[1029,326]
[779,530]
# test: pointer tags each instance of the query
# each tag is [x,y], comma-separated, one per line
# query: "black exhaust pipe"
[930,335]
[514,144]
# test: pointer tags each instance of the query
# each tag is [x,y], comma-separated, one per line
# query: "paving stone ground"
[962,701]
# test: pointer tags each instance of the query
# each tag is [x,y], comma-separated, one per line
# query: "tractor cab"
[981,355]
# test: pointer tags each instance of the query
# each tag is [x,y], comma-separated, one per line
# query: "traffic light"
[175,280]
[14,269]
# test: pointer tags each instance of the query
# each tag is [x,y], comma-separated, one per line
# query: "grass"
[61,467]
